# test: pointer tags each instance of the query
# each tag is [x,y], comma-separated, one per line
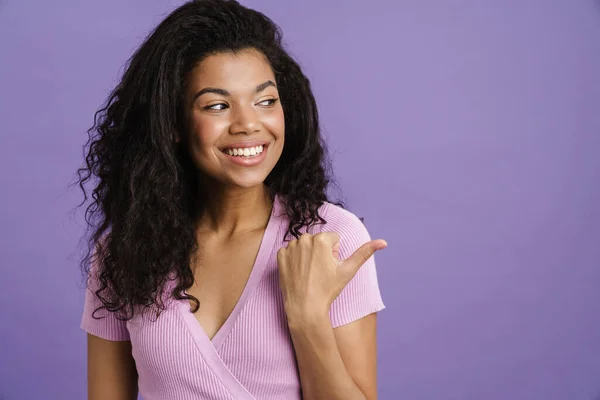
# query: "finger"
[353,263]
[330,239]
[336,251]
[305,238]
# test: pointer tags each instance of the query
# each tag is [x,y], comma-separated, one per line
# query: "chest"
[221,274]
[252,353]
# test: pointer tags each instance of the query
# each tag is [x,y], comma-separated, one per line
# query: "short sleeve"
[108,326]
[361,296]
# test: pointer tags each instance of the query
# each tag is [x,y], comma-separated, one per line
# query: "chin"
[244,182]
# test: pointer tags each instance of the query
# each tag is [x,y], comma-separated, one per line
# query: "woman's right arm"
[111,370]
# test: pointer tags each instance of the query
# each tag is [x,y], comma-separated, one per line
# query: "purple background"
[467,133]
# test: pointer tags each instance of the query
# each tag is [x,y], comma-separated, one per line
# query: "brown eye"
[212,107]
[273,101]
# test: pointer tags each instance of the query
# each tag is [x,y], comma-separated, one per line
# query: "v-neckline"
[256,273]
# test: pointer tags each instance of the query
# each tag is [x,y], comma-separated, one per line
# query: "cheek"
[275,123]
[205,132]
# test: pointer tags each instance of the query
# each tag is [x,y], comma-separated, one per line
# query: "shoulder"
[342,221]
[336,219]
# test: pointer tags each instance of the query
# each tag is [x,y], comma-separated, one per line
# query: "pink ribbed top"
[252,356]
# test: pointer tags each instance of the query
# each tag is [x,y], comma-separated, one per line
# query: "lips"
[246,160]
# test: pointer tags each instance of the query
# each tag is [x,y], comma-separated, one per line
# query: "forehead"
[232,71]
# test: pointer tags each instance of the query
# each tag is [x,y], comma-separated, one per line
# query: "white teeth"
[245,152]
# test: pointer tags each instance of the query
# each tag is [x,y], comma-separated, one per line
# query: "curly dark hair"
[144,205]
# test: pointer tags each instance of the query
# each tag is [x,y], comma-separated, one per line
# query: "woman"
[219,268]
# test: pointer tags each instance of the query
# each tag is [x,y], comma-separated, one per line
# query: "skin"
[333,363]
[110,369]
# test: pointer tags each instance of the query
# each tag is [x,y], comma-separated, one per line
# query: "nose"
[246,121]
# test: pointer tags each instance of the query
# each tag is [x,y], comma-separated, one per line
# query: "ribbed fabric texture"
[252,356]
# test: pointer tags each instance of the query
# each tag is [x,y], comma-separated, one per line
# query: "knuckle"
[307,237]
[281,253]
[321,238]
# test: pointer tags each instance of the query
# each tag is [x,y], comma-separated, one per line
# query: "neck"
[230,211]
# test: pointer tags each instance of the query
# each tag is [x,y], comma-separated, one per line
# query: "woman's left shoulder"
[341,220]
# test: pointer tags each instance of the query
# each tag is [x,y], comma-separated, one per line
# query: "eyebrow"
[224,92]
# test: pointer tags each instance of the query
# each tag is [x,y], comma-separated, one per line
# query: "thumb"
[353,263]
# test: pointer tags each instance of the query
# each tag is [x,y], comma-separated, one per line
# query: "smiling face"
[235,118]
